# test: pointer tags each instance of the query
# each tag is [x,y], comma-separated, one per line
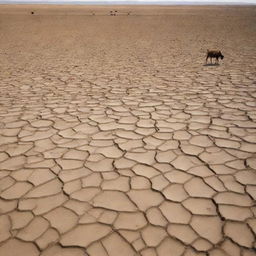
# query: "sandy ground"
[116,139]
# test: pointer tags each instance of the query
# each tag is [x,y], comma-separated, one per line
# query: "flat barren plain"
[117,139]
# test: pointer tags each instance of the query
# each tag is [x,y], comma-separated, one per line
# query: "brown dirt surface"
[117,139]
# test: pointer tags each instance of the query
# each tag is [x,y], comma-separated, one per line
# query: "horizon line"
[124,2]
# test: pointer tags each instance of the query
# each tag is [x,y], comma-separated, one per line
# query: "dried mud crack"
[116,139]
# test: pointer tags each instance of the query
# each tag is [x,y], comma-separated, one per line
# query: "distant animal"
[32,13]
[214,54]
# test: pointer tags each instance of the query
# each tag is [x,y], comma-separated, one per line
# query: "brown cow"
[214,54]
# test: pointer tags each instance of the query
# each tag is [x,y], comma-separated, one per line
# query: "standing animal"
[214,54]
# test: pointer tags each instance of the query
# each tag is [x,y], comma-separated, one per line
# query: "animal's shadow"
[211,64]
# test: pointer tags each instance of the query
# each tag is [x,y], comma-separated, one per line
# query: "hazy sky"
[141,1]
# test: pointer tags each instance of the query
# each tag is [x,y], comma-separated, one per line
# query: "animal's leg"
[211,60]
[206,59]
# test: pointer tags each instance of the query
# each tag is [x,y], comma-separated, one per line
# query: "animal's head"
[221,56]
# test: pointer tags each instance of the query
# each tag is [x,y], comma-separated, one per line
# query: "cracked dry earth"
[116,140]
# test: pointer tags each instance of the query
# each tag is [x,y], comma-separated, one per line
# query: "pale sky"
[141,1]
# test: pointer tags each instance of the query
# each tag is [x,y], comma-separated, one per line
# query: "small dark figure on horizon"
[32,13]
[214,54]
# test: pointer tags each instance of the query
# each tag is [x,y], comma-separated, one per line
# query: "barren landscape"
[117,139]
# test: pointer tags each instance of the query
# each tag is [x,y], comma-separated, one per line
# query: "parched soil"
[117,139]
